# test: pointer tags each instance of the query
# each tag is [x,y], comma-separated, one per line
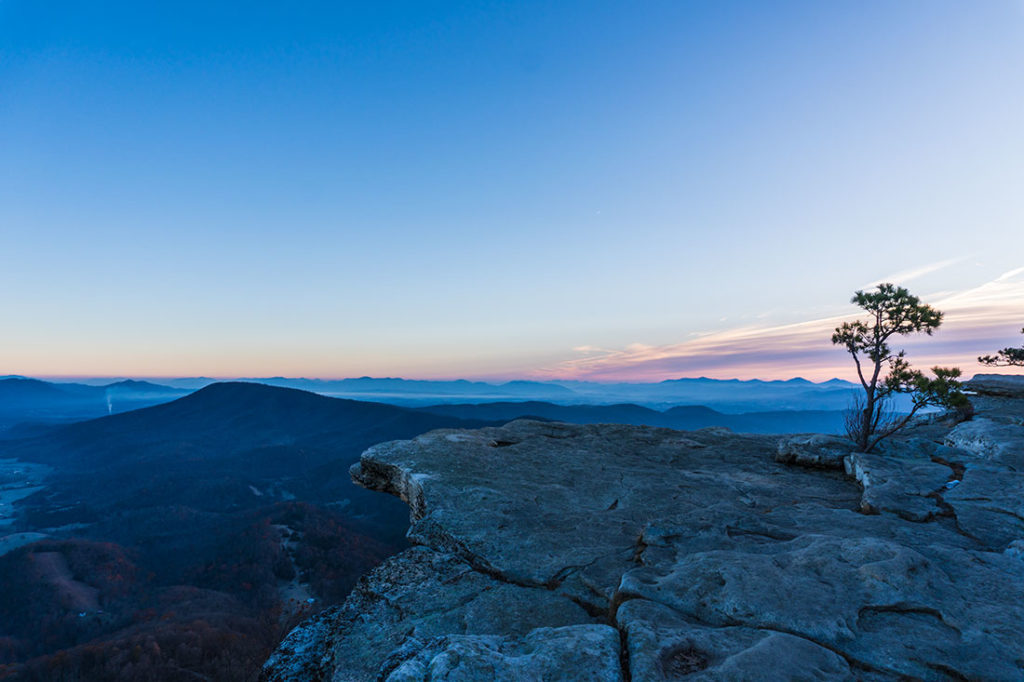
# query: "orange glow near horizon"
[978,321]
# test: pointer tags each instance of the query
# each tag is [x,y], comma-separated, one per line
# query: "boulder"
[814,450]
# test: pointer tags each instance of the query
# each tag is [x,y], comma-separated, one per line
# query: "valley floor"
[18,480]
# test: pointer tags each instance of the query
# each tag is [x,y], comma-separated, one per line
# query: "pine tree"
[1007,357]
[884,373]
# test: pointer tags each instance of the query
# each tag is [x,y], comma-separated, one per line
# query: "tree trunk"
[867,421]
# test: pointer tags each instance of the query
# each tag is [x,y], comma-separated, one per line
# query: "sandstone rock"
[814,450]
[907,487]
[550,551]
[892,609]
[573,500]
[421,595]
[664,645]
[995,441]
[307,653]
[583,653]
[989,505]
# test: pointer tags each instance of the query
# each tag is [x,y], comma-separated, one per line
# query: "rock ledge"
[604,552]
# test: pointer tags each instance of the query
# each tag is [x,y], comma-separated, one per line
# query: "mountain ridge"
[681,417]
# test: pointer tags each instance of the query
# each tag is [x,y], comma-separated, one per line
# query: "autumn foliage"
[219,620]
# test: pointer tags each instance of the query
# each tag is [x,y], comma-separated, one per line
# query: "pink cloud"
[978,320]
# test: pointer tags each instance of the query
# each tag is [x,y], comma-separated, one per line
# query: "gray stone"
[989,505]
[307,652]
[421,595]
[573,500]
[1000,385]
[893,609]
[584,653]
[995,441]
[814,450]
[907,487]
[550,551]
[664,645]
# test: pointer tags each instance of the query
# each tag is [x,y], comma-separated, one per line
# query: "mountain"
[723,395]
[230,417]
[133,387]
[222,450]
[42,402]
[685,417]
[728,395]
[30,391]
[412,391]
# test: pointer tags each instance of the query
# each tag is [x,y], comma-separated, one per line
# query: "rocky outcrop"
[909,487]
[604,552]
[1001,443]
[1000,385]
[814,450]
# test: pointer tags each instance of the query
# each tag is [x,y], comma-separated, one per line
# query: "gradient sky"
[592,189]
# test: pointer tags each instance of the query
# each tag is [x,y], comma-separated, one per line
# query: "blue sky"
[491,189]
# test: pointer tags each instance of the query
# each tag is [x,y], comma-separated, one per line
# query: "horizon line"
[57,378]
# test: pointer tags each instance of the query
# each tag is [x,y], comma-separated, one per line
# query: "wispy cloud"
[904,276]
[994,303]
[978,320]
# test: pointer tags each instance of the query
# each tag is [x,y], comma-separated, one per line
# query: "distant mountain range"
[725,395]
[30,406]
[685,417]
[39,402]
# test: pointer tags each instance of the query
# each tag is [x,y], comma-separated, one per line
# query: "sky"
[590,190]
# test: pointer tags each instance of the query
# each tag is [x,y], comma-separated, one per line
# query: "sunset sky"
[604,190]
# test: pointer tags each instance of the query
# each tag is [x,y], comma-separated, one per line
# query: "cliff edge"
[606,552]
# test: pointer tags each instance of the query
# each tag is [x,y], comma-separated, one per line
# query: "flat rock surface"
[604,552]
